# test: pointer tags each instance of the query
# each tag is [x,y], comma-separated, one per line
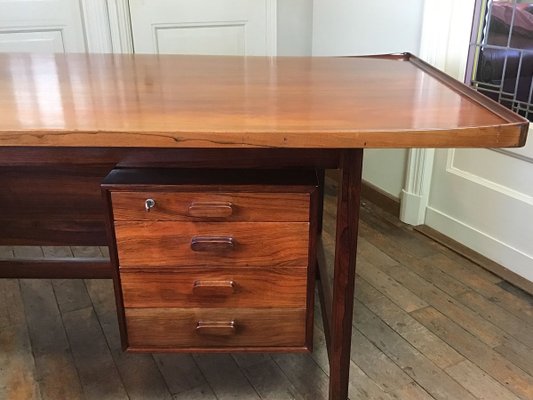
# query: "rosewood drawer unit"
[215,260]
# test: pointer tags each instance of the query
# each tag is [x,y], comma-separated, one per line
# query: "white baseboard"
[511,258]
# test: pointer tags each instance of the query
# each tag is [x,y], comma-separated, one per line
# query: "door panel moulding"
[478,180]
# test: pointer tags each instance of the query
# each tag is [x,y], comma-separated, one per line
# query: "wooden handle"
[213,288]
[211,210]
[212,243]
[216,328]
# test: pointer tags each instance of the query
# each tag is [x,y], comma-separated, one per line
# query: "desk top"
[212,101]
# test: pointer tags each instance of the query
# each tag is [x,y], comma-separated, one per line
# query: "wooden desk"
[66,121]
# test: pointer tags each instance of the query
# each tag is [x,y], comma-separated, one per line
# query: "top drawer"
[210,195]
[209,206]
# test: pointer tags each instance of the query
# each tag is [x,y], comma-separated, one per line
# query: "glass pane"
[510,24]
[505,59]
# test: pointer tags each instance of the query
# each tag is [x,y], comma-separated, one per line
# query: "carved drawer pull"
[213,288]
[216,328]
[210,209]
[212,243]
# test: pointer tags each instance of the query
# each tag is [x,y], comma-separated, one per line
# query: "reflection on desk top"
[213,101]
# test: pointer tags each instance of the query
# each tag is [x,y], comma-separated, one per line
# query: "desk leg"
[344,274]
[321,175]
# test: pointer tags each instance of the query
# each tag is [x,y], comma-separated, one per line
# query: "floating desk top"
[233,102]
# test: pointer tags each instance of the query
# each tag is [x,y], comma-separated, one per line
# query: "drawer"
[187,206]
[164,244]
[208,328]
[218,287]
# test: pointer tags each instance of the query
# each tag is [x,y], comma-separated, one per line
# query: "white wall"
[295,27]
[385,169]
[356,27]
[348,27]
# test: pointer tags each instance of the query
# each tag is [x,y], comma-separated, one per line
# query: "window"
[501,53]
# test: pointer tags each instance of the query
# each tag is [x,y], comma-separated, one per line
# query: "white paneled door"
[41,26]
[213,27]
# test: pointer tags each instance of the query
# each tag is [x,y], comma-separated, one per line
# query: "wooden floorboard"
[428,325]
[430,345]
[494,364]
[270,382]
[225,377]
[181,373]
[139,373]
[415,364]
[55,370]
[18,377]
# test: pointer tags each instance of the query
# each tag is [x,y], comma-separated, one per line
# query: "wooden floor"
[428,325]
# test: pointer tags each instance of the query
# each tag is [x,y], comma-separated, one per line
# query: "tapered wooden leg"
[344,274]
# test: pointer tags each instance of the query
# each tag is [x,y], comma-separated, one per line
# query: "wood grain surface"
[176,328]
[50,205]
[54,195]
[265,207]
[236,102]
[276,287]
[167,244]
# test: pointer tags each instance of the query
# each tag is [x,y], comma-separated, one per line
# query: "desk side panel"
[52,205]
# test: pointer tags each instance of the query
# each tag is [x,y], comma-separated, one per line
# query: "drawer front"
[186,206]
[220,287]
[166,244]
[167,328]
